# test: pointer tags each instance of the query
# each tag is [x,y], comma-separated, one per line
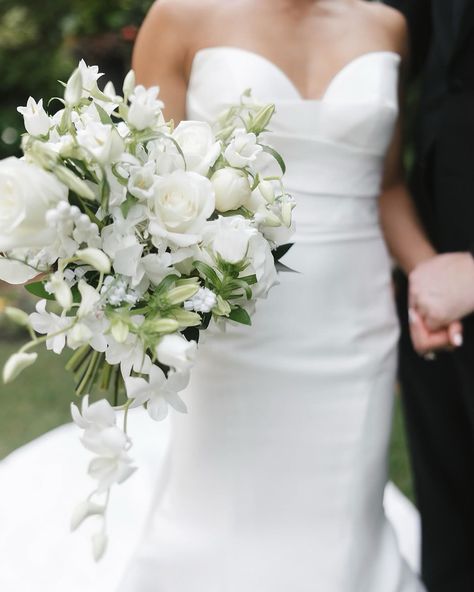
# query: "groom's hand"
[442,289]
[426,341]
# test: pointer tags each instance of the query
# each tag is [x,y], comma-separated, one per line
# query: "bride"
[274,481]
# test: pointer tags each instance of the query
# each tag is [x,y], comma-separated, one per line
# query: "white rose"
[232,189]
[37,121]
[181,205]
[177,352]
[145,108]
[102,141]
[243,149]
[229,237]
[199,146]
[27,192]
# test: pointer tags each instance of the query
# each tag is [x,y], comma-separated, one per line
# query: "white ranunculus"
[243,149]
[102,141]
[37,121]
[229,237]
[177,352]
[27,192]
[199,146]
[232,189]
[145,108]
[180,207]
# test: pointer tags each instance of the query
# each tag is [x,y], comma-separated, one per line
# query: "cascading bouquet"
[136,236]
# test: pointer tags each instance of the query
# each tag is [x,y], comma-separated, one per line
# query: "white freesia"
[231,187]
[16,364]
[23,210]
[177,352]
[243,150]
[199,146]
[145,108]
[181,205]
[37,121]
[158,392]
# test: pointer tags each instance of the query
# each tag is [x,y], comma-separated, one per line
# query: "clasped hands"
[441,294]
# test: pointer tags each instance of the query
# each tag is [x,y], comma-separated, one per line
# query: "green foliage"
[41,43]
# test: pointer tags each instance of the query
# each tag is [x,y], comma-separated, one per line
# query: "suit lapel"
[465,27]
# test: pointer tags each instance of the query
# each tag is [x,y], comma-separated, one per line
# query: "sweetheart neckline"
[284,75]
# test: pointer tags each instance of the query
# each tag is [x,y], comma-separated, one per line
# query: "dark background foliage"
[42,40]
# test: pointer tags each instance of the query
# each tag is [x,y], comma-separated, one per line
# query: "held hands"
[441,292]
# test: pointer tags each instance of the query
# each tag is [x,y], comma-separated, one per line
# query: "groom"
[439,394]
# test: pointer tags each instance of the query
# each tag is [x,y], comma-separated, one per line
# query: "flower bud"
[181,293]
[186,318]
[83,511]
[120,331]
[72,181]
[16,364]
[73,92]
[267,191]
[272,220]
[99,545]
[17,316]
[222,309]
[162,326]
[231,187]
[129,84]
[286,213]
[95,257]
[262,119]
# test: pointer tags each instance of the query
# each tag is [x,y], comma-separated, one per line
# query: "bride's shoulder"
[389,22]
[180,12]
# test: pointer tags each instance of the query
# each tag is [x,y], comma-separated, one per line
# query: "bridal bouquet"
[135,235]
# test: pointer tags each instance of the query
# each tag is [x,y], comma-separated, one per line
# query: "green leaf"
[207,271]
[249,279]
[276,156]
[104,116]
[38,289]
[281,251]
[239,315]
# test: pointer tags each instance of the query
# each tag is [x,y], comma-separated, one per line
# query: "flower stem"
[78,358]
[81,388]
[40,340]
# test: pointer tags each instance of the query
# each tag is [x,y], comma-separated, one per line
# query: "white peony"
[243,149]
[229,237]
[180,207]
[231,187]
[27,192]
[176,352]
[37,121]
[199,146]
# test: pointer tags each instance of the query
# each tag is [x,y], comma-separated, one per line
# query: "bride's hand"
[426,341]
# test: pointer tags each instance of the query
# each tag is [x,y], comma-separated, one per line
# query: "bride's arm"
[160,53]
[404,232]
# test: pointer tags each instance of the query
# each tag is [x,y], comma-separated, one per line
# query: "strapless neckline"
[200,53]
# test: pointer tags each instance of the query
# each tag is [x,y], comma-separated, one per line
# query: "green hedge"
[40,42]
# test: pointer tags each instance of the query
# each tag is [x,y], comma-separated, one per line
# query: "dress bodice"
[349,128]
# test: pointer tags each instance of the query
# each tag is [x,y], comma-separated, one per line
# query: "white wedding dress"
[274,481]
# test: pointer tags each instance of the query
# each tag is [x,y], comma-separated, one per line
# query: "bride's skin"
[310,41]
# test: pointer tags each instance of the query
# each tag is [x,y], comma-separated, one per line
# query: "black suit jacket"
[443,178]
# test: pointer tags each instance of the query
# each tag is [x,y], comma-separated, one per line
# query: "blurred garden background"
[40,43]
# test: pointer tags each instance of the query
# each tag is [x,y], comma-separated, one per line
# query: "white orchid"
[158,392]
[51,325]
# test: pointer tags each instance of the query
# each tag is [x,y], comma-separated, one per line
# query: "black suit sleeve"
[418,15]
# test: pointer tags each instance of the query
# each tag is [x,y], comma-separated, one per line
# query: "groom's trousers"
[438,398]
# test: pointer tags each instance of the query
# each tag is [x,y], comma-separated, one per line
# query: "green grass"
[39,401]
